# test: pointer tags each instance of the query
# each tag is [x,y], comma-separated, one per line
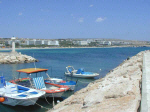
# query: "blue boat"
[79,73]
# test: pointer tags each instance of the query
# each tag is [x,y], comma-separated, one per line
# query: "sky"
[61,19]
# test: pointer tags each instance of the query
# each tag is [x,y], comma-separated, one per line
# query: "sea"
[99,60]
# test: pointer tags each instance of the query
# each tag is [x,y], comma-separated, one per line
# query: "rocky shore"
[118,91]
[14,58]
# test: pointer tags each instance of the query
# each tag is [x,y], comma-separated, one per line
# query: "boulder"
[13,58]
[118,91]
[21,58]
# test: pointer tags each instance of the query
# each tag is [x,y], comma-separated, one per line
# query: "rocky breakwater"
[14,58]
[118,91]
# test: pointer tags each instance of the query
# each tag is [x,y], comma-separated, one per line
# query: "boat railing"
[39,83]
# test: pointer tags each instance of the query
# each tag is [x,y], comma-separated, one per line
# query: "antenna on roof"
[34,62]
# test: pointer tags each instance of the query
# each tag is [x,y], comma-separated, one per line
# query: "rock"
[14,58]
[21,58]
[118,91]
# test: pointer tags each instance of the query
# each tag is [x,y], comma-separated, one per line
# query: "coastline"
[119,90]
[5,49]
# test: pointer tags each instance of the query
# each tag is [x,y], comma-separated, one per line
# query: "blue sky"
[55,19]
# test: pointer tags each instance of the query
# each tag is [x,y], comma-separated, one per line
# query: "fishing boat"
[13,94]
[70,84]
[79,73]
[51,89]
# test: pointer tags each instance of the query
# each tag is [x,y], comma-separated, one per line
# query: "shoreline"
[5,49]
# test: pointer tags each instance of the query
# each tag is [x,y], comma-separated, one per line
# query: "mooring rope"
[53,101]
[46,99]
[40,105]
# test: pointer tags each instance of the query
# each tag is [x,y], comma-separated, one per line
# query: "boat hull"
[51,95]
[22,102]
[58,92]
[82,75]
[79,73]
[14,94]
[60,81]
[71,87]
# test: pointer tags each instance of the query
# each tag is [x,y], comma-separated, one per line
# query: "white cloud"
[91,5]
[81,20]
[100,19]
[20,13]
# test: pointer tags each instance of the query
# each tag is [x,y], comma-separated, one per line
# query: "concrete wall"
[145,102]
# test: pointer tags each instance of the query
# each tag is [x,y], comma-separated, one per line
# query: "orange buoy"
[2,99]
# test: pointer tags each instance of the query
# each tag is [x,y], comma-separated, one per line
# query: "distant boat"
[79,73]
[13,94]
[51,89]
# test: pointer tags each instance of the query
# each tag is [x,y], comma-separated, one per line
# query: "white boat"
[13,94]
[51,89]
[70,84]
[79,73]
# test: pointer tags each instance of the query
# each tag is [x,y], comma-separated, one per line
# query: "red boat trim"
[61,88]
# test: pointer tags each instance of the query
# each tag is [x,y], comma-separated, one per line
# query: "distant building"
[101,42]
[120,43]
[75,42]
[116,43]
[107,43]
[90,40]
[104,42]
[38,42]
[18,41]
[9,42]
[31,42]
[55,42]
[82,42]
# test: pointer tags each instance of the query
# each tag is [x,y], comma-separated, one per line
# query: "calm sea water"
[100,60]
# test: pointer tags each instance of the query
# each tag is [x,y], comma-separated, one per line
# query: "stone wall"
[118,91]
[14,58]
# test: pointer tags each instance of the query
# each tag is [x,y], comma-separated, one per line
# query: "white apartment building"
[105,42]
[82,42]
[31,42]
[55,42]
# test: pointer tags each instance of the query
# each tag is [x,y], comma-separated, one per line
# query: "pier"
[145,102]
[126,88]
[15,58]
